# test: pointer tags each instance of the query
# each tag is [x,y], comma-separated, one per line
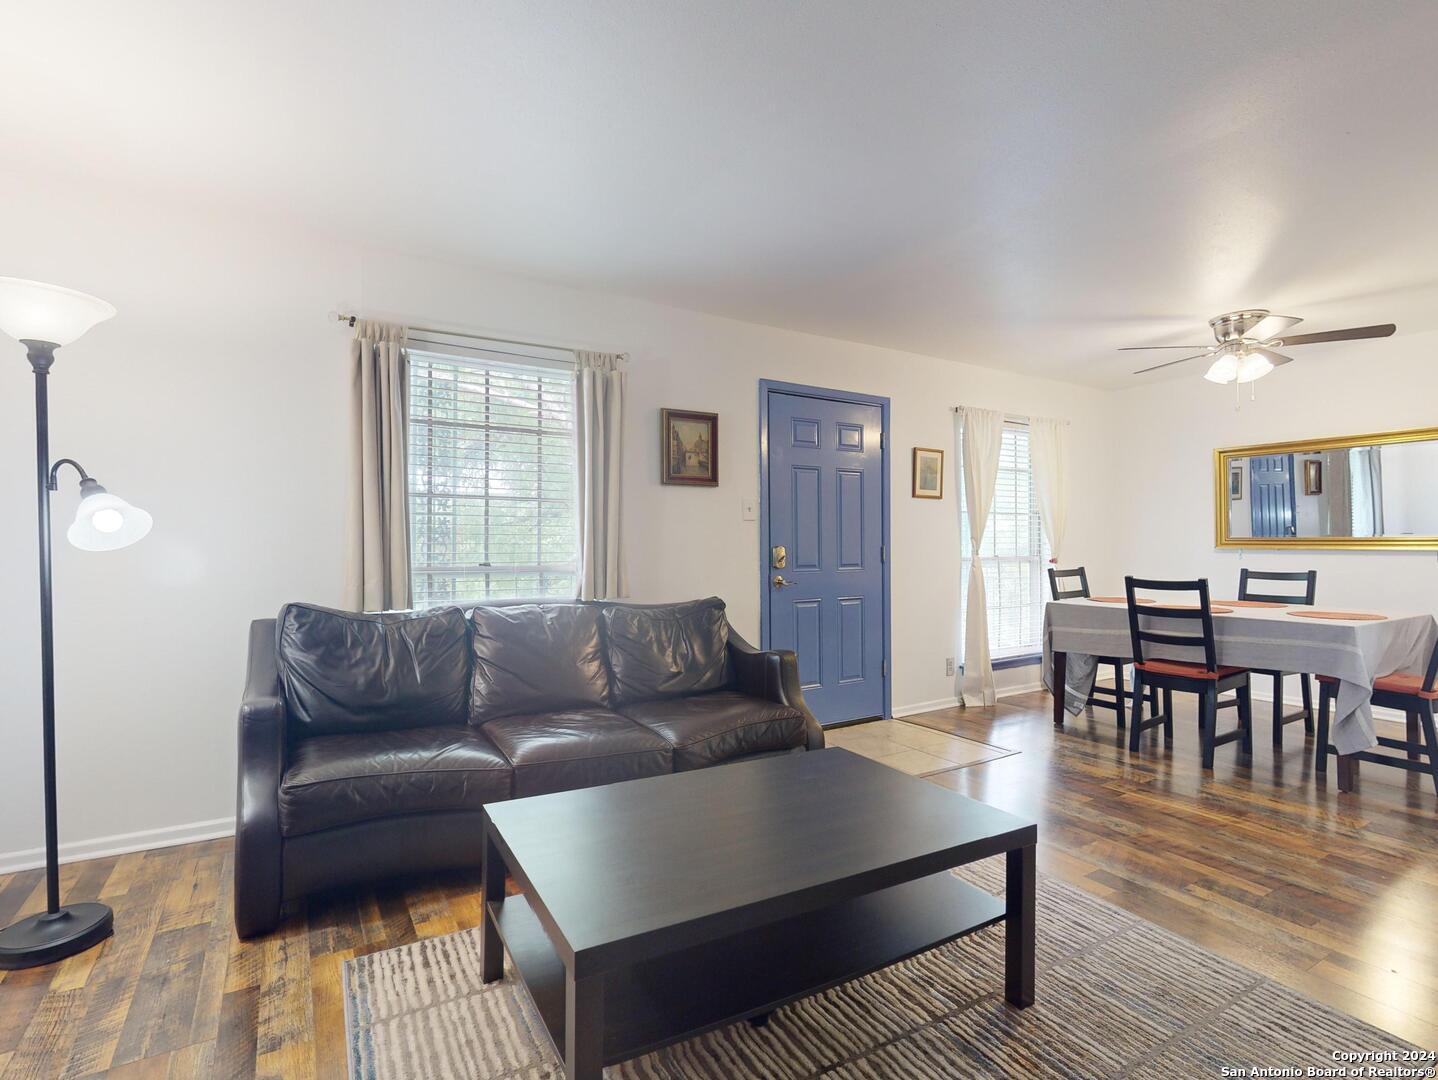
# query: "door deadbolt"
[778,557]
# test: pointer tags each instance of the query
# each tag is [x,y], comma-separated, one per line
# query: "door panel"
[850,484]
[851,638]
[808,642]
[825,506]
[1272,495]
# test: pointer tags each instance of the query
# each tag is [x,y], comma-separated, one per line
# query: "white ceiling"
[1026,185]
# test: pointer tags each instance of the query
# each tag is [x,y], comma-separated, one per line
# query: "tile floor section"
[910,748]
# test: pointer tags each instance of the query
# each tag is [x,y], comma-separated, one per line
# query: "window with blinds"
[492,498]
[1014,553]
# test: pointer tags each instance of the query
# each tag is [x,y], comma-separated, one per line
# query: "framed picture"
[928,473]
[1235,483]
[689,447]
[1313,477]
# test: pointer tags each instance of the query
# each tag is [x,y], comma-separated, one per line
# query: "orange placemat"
[1251,603]
[1116,600]
[1355,616]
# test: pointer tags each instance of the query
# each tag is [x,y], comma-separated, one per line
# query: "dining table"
[1293,638]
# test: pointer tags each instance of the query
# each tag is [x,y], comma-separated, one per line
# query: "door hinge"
[884,668]
[883,435]
[883,553]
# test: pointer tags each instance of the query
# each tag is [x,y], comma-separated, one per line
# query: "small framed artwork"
[928,473]
[689,447]
[1235,483]
[1313,477]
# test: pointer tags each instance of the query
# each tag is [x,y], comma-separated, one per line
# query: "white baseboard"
[1015,691]
[924,706]
[900,711]
[120,844]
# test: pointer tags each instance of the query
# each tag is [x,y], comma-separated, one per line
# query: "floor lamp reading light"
[43,318]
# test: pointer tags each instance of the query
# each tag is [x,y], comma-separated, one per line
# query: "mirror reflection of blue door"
[1272,498]
[825,508]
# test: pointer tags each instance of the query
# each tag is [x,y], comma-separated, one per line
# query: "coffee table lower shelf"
[674,997]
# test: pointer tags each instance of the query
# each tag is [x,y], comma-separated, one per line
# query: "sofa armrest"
[261,767]
[774,676]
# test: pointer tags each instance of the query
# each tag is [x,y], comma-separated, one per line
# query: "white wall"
[217,401]
[1409,503]
[1168,431]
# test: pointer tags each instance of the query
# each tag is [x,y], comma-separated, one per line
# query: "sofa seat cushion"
[708,728]
[343,779]
[575,748]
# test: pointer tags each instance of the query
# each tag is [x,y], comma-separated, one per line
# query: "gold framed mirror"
[1356,492]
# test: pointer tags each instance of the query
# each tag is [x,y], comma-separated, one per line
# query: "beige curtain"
[981,435]
[377,555]
[599,413]
[1048,450]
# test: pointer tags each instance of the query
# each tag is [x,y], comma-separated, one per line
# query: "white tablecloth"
[1355,653]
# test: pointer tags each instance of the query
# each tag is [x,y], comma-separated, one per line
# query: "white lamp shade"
[1254,366]
[1223,370]
[105,522]
[34,311]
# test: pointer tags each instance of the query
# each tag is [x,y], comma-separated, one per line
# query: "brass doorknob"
[779,581]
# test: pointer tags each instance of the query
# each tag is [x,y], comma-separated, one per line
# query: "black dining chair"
[1310,590]
[1413,695]
[1103,697]
[1206,680]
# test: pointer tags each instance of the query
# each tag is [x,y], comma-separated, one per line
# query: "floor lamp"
[43,318]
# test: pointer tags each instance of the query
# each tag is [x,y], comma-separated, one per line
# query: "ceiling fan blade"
[1270,326]
[1141,348]
[1351,334]
[1276,359]
[1186,359]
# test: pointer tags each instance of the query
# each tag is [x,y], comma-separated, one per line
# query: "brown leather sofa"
[369,744]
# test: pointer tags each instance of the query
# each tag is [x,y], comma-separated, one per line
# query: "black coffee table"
[657,909]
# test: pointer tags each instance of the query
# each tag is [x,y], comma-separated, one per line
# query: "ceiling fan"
[1248,342]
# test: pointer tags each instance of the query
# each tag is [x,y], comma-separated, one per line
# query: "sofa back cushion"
[667,650]
[533,658]
[345,672]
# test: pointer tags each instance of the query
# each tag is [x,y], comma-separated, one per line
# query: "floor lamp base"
[45,938]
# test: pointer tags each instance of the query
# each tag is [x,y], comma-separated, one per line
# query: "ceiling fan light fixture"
[1223,370]
[1254,366]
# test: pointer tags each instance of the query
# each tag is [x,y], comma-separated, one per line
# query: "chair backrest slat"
[1308,577]
[1190,641]
[1139,632]
[1068,594]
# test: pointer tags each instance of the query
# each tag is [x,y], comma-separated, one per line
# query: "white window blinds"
[1014,553]
[491,478]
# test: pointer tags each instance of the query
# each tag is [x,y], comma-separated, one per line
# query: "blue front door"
[825,503]
[1271,495]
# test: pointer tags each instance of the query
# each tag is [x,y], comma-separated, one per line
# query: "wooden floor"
[1335,896]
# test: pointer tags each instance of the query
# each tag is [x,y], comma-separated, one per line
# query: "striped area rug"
[1117,997]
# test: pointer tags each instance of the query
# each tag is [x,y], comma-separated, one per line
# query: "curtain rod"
[340,316]
[1011,418]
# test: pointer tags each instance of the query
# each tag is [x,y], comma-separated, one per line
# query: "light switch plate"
[749,509]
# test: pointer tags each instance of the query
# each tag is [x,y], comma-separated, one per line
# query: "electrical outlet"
[949,666]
